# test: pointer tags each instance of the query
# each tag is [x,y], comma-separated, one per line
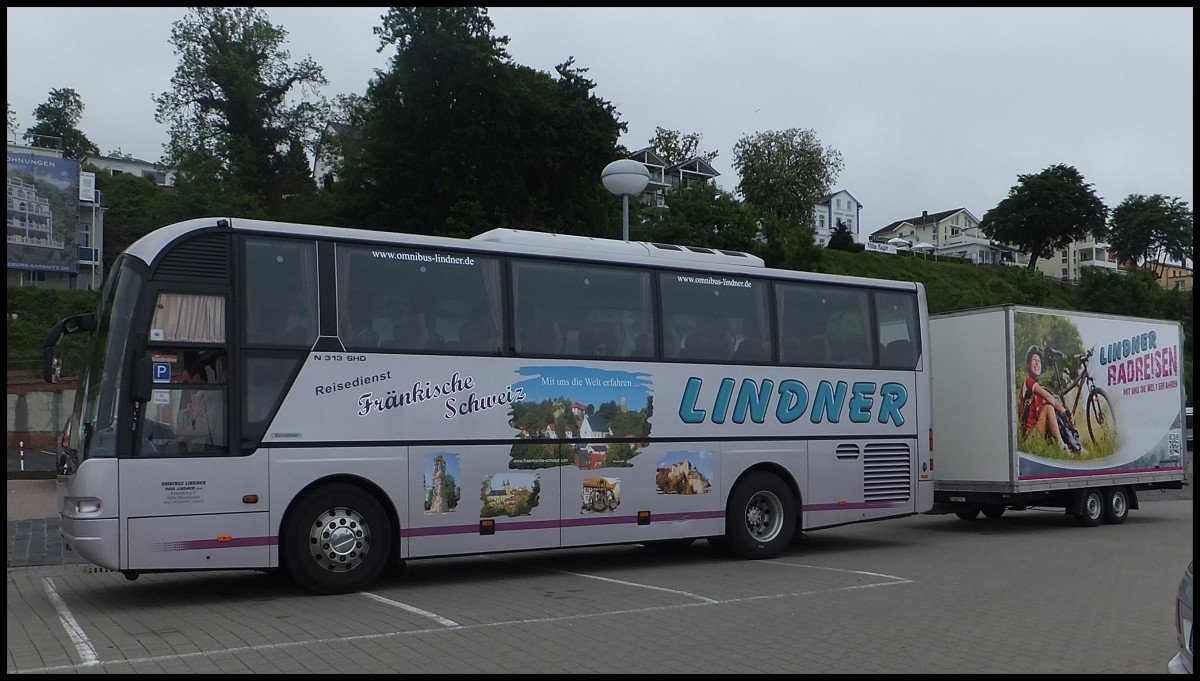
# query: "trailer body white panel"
[1118,378]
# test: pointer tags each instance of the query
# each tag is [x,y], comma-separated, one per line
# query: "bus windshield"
[93,428]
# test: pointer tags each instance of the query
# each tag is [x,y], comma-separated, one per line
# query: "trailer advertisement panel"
[1096,395]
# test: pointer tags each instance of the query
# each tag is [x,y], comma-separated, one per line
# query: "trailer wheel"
[1089,511]
[760,520]
[337,539]
[1116,505]
[993,511]
[968,515]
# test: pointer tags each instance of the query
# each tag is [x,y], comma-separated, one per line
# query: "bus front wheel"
[337,540]
[760,520]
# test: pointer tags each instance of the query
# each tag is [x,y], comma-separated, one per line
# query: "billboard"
[1097,393]
[43,209]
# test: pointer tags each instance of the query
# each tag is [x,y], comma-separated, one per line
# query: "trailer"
[1035,407]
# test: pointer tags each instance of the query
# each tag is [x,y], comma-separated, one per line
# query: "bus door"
[188,495]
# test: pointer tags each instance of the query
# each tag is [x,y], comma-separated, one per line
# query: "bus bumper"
[95,540]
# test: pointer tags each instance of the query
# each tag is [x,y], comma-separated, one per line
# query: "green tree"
[202,189]
[842,239]
[1132,294]
[232,99]
[784,174]
[136,206]
[1145,229]
[12,121]
[701,215]
[676,147]
[1046,212]
[456,139]
[57,125]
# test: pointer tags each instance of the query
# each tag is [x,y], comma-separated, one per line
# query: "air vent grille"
[887,472]
[201,258]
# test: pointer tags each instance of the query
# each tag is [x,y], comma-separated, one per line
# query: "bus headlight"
[87,505]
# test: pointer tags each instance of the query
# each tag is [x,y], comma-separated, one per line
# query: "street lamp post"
[625,177]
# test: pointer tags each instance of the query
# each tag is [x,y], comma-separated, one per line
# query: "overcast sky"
[931,109]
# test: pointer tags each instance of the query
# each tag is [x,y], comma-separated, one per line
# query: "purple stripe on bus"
[1106,471]
[590,521]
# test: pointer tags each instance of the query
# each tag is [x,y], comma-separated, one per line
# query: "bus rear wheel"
[760,520]
[337,540]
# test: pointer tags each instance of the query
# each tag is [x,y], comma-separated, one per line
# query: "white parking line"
[900,580]
[416,611]
[702,599]
[87,653]
[448,625]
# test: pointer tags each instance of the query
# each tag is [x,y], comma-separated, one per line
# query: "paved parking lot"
[1026,593]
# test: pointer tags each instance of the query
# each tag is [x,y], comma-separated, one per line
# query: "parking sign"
[162,372]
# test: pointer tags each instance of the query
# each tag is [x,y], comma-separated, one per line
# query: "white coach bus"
[330,401]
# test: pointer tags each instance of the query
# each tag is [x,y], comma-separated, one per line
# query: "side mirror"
[51,364]
[51,356]
[142,380]
[79,322]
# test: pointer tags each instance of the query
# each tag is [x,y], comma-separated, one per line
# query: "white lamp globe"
[625,177]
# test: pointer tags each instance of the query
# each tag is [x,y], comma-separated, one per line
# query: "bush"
[31,314]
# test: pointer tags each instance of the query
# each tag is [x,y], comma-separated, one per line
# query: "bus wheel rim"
[340,539]
[764,516]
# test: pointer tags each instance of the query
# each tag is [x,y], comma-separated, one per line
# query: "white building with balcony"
[952,233]
[664,177]
[1067,263]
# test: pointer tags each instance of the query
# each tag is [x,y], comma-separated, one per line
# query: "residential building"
[338,142]
[952,233]
[664,177]
[128,165]
[55,221]
[840,206]
[1066,263]
[1171,276]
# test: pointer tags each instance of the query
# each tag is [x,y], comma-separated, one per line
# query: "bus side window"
[896,314]
[898,353]
[601,338]
[608,306]
[712,340]
[753,347]
[280,292]
[707,318]
[479,335]
[542,336]
[188,318]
